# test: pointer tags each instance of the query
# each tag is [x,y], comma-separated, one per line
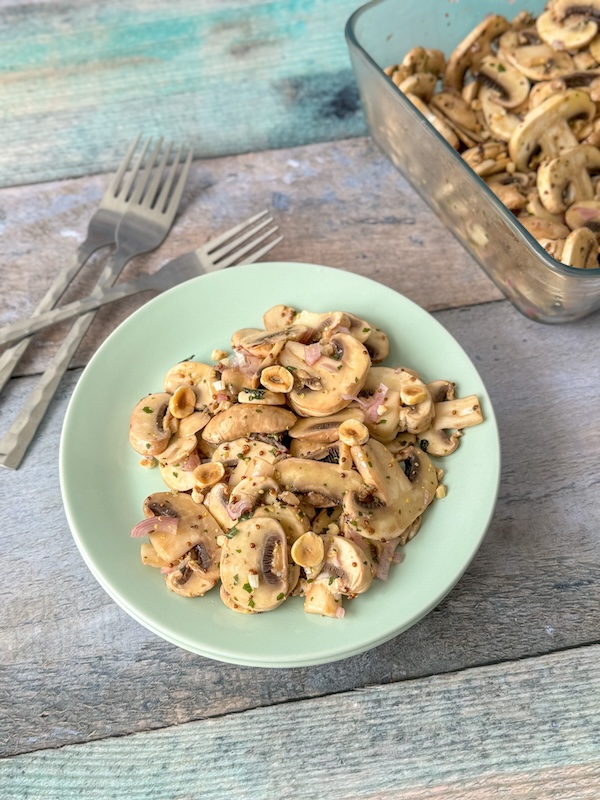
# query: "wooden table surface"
[496,693]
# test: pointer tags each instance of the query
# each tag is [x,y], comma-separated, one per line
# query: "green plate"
[103,486]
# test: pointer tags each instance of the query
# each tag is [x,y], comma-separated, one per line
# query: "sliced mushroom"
[508,85]
[462,412]
[176,478]
[324,429]
[251,492]
[566,33]
[278,317]
[584,214]
[473,49]
[378,345]
[194,423]
[146,433]
[417,411]
[317,478]
[260,343]
[487,159]
[586,9]
[421,84]
[322,326]
[197,574]
[241,420]
[441,125]
[239,453]
[499,120]
[346,570]
[254,565]
[544,228]
[291,518]
[408,493]
[196,526]
[200,377]
[581,249]
[566,179]
[539,62]
[318,451]
[546,127]
[217,503]
[336,380]
[318,599]
[451,107]
[180,447]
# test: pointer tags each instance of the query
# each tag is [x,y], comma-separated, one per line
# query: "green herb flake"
[366,330]
[247,588]
[251,603]
[340,366]
[148,445]
[280,596]
[147,410]
[236,579]
[501,68]
[331,579]
[176,474]
[231,533]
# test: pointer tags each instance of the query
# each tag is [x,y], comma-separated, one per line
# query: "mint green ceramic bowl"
[103,486]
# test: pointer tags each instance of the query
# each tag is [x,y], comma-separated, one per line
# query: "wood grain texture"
[77,668]
[511,730]
[342,205]
[79,80]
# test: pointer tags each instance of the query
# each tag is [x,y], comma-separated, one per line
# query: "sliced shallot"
[155,525]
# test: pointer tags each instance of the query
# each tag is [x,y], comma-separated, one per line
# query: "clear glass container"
[380,33]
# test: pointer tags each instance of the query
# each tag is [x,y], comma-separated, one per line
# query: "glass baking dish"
[380,33]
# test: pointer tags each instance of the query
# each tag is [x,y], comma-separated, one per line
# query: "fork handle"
[17,439]
[10,358]
[27,327]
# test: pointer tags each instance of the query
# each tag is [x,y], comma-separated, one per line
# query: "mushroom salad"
[521,101]
[294,464]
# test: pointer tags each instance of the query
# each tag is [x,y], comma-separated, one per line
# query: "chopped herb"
[231,533]
[235,580]
[366,330]
[292,369]
[256,394]
[238,551]
[280,596]
[331,579]
[501,68]
[243,457]
[176,474]
[247,588]
[147,410]
[147,445]
[340,366]
[381,421]
[251,603]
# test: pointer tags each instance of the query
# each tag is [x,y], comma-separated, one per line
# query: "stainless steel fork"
[101,232]
[246,243]
[154,198]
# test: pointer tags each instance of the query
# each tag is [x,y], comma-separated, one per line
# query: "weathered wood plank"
[519,729]
[77,668]
[342,205]
[79,80]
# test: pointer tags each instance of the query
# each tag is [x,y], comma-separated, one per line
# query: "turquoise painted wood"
[79,80]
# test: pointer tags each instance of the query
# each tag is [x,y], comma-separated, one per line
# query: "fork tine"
[150,195]
[232,244]
[260,253]
[239,254]
[125,189]
[169,205]
[113,187]
[142,182]
[225,237]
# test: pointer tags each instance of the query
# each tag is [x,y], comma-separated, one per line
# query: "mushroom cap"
[260,343]
[581,249]
[347,569]
[569,33]
[177,479]
[336,380]
[279,316]
[539,62]
[255,570]
[146,433]
[291,518]
[584,214]
[588,9]
[241,420]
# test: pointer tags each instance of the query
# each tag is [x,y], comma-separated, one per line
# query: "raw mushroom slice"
[499,120]
[217,503]
[195,527]
[278,317]
[451,107]
[321,326]
[570,33]
[200,377]
[263,396]
[581,249]
[378,345]
[473,49]
[318,599]
[408,493]
[146,433]
[260,343]
[316,477]
[539,62]
[417,410]
[254,565]
[566,179]
[487,159]
[584,214]
[180,447]
[508,85]
[291,518]
[238,455]
[241,420]
[197,574]
[177,478]
[421,84]
[546,127]
[318,451]
[331,382]
[324,429]
[347,569]
[441,125]
[586,9]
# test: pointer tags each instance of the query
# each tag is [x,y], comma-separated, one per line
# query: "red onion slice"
[191,462]
[235,510]
[312,354]
[386,558]
[155,525]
